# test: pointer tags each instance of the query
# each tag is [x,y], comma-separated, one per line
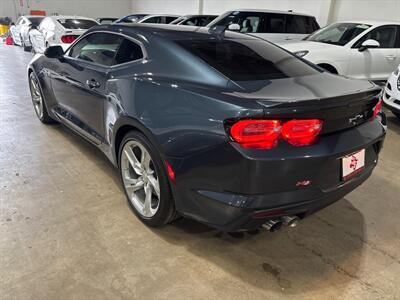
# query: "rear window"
[247,60]
[77,23]
[36,21]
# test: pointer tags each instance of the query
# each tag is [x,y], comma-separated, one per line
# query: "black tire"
[44,116]
[26,48]
[166,209]
[396,114]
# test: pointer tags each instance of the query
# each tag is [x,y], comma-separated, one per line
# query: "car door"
[376,63]
[79,81]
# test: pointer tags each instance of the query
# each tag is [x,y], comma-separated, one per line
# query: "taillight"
[301,132]
[264,134]
[68,39]
[377,109]
[256,133]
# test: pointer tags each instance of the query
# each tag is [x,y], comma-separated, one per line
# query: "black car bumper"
[243,193]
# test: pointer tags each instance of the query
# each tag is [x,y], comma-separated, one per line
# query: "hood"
[308,45]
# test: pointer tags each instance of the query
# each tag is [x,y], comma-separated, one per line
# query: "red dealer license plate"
[353,164]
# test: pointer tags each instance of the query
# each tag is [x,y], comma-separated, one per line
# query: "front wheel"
[145,181]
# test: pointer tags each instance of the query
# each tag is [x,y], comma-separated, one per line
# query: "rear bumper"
[242,189]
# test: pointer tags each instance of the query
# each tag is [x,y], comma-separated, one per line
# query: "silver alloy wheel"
[140,178]
[36,95]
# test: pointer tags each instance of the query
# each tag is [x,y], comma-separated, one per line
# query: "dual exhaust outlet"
[276,224]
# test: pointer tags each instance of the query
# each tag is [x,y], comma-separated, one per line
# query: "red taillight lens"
[377,109]
[256,133]
[264,134]
[68,39]
[301,132]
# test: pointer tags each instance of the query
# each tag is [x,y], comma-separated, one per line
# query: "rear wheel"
[145,181]
[37,100]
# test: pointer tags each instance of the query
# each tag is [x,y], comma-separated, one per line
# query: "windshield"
[247,60]
[338,33]
[77,23]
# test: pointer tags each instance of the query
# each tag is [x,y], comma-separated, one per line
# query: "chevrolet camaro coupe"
[218,126]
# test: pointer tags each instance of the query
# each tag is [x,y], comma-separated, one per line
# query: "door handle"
[92,83]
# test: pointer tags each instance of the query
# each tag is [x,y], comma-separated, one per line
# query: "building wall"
[89,8]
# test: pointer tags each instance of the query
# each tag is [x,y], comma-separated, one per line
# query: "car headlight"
[301,53]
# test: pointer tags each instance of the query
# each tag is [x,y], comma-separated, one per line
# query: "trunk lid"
[340,102]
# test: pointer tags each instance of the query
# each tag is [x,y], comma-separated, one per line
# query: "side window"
[153,20]
[170,19]
[398,36]
[128,51]
[276,23]
[300,24]
[100,48]
[385,35]
[248,22]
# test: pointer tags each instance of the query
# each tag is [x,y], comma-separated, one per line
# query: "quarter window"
[385,35]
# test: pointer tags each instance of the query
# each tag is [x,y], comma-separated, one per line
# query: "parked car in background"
[391,93]
[359,49]
[134,18]
[158,19]
[20,31]
[227,129]
[59,30]
[104,21]
[274,26]
[194,20]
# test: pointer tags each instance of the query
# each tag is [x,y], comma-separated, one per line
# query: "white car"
[358,49]
[158,19]
[59,30]
[391,93]
[20,30]
[271,25]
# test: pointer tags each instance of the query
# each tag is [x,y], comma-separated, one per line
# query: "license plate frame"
[353,164]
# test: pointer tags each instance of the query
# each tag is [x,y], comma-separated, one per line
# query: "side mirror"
[369,44]
[54,52]
[12,24]
[234,27]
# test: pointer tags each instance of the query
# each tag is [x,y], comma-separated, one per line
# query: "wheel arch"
[122,127]
[329,67]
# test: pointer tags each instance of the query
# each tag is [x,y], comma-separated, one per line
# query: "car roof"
[288,12]
[162,15]
[370,22]
[70,17]
[170,32]
[202,15]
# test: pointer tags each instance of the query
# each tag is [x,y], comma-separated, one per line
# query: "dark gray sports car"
[221,127]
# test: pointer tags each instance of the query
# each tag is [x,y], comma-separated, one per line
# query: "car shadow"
[324,251]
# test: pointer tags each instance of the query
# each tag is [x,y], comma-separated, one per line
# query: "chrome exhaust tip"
[290,221]
[272,225]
